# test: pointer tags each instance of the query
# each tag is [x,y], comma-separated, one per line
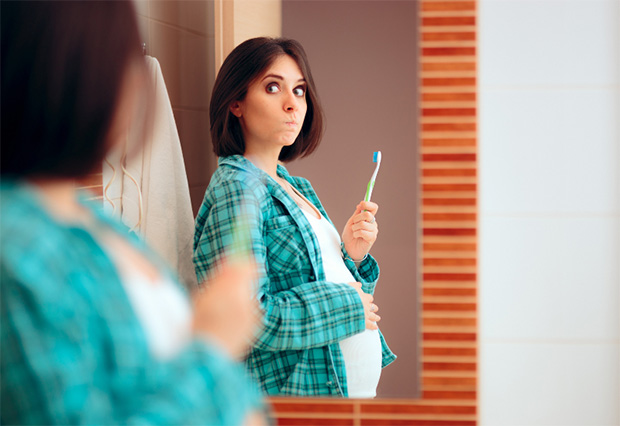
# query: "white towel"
[167,221]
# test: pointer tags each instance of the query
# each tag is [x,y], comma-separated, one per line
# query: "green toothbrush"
[376,158]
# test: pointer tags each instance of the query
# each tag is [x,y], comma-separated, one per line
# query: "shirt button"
[330,383]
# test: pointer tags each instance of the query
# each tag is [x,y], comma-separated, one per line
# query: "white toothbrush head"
[376,157]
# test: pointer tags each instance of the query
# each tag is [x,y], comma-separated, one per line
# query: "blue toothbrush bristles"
[375,155]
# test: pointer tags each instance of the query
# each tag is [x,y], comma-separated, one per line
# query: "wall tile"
[549,384]
[187,63]
[196,143]
[550,151]
[550,42]
[550,278]
[195,15]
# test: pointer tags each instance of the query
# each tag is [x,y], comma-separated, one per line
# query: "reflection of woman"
[93,330]
[315,292]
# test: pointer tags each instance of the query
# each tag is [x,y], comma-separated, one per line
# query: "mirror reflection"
[364,71]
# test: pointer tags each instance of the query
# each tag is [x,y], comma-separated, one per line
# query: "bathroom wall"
[549,212]
[180,34]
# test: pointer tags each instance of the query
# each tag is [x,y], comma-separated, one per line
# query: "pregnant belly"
[362,359]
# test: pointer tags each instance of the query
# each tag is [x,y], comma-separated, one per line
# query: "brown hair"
[63,67]
[244,65]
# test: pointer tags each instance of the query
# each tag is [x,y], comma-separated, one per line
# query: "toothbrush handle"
[369,188]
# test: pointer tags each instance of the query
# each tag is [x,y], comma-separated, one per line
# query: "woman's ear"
[235,108]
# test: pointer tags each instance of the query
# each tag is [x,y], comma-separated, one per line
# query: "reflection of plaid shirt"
[73,350]
[297,350]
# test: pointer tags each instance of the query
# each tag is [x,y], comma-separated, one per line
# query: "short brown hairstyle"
[242,67]
[63,67]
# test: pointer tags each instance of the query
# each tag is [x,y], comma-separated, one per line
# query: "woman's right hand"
[369,308]
[226,310]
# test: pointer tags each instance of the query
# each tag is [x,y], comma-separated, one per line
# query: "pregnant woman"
[319,334]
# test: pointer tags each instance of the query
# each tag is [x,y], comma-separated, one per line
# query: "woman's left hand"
[361,230]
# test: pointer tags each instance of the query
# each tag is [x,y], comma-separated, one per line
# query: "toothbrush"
[376,158]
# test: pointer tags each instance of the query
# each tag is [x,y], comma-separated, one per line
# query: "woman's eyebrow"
[279,77]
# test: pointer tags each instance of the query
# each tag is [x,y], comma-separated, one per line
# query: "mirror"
[364,61]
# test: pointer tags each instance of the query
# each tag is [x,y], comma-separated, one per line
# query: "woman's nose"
[290,103]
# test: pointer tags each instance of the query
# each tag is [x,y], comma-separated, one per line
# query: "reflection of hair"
[63,67]
[244,65]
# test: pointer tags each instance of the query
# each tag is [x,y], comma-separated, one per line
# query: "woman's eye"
[272,88]
[299,91]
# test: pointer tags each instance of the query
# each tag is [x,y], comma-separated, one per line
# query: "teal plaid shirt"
[73,350]
[296,351]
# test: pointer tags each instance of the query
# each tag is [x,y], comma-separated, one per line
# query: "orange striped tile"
[447,127]
[448,51]
[449,306]
[306,421]
[448,5]
[443,112]
[415,422]
[449,157]
[445,21]
[465,322]
[456,395]
[465,142]
[464,382]
[450,291]
[448,97]
[449,66]
[449,336]
[440,187]
[294,406]
[449,366]
[417,409]
[447,82]
[450,351]
[453,36]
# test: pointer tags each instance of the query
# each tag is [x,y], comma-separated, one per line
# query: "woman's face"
[274,108]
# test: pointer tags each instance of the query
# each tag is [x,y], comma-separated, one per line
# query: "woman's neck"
[267,161]
[60,198]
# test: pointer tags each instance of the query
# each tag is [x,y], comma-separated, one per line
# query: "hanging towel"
[155,178]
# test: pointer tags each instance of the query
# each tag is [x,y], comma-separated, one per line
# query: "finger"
[363,217]
[374,317]
[365,226]
[369,206]
[374,308]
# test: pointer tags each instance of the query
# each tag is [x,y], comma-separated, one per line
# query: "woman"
[315,292]
[94,330]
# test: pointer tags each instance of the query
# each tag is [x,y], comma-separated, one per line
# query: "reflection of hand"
[226,309]
[361,230]
[369,308]
[255,419]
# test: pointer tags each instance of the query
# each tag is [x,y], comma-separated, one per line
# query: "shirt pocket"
[287,256]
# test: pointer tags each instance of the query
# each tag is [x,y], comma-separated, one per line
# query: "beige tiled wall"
[180,35]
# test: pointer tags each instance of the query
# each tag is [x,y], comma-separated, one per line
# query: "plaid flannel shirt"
[296,351]
[73,350]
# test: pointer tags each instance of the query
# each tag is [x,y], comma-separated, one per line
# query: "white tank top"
[162,309]
[361,352]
